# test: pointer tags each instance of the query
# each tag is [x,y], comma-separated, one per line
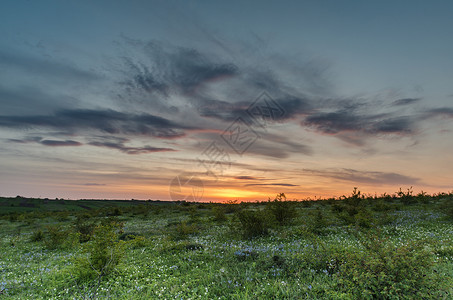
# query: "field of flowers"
[351,248]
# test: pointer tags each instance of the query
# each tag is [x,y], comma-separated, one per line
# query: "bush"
[84,227]
[318,222]
[406,197]
[387,271]
[183,229]
[283,211]
[103,252]
[253,223]
[219,213]
[59,238]
[37,236]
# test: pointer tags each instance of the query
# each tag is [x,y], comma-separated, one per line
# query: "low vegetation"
[357,247]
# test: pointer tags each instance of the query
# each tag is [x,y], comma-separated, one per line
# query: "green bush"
[406,197]
[102,253]
[84,227]
[37,236]
[387,271]
[283,211]
[219,213]
[183,229]
[317,223]
[253,223]
[60,238]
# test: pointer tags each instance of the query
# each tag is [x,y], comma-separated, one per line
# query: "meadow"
[359,246]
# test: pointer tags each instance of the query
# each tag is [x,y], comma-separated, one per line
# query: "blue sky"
[116,99]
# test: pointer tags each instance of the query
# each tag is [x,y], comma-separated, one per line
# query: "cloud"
[442,111]
[167,67]
[402,125]
[111,142]
[106,121]
[246,178]
[130,150]
[55,143]
[342,121]
[94,184]
[367,177]
[270,184]
[405,101]
[289,107]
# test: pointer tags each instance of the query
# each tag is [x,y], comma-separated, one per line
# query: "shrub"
[219,213]
[253,223]
[283,211]
[318,222]
[183,229]
[57,237]
[387,271]
[84,227]
[232,206]
[381,205]
[37,236]
[406,197]
[102,253]
[62,216]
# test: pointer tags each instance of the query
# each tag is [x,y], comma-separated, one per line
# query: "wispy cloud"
[441,111]
[55,143]
[116,143]
[406,101]
[367,177]
[130,150]
[107,121]
[246,178]
[169,67]
[270,184]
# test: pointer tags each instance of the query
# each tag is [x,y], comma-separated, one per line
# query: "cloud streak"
[366,177]
[271,184]
[106,121]
[105,142]
[130,150]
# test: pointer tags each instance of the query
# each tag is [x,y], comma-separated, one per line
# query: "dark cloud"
[367,177]
[55,143]
[107,121]
[130,150]
[335,122]
[442,111]
[169,67]
[246,178]
[271,184]
[402,125]
[352,121]
[31,139]
[112,142]
[406,101]
[273,110]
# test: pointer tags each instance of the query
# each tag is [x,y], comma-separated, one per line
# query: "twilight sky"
[216,101]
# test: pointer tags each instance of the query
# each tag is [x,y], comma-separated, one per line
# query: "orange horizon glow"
[217,195]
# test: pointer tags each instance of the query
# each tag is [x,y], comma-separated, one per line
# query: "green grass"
[190,251]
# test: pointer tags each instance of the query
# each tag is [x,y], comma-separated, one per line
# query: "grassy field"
[356,247]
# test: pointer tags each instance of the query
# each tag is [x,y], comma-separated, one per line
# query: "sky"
[225,100]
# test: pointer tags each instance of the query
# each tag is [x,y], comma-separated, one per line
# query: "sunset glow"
[182,101]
